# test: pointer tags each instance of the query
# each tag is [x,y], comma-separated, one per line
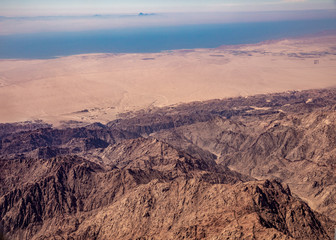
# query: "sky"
[35,16]
[82,7]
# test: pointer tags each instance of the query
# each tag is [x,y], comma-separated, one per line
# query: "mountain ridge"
[221,169]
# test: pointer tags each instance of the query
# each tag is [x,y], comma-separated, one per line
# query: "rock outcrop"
[223,169]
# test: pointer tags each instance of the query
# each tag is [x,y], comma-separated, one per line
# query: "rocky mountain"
[260,167]
[295,147]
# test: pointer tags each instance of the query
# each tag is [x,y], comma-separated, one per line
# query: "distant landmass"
[155,38]
[146,14]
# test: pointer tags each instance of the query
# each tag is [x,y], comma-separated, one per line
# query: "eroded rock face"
[194,177]
[182,198]
[297,148]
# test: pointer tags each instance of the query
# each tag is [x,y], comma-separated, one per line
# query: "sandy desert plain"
[99,87]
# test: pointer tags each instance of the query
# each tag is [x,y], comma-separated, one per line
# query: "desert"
[99,87]
[233,142]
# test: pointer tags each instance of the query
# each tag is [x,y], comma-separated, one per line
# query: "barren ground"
[98,87]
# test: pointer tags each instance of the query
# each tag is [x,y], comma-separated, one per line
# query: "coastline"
[99,87]
[51,45]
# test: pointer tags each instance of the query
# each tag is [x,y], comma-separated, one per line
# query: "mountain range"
[256,167]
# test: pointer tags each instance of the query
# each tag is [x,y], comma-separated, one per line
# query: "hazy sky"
[75,7]
[26,16]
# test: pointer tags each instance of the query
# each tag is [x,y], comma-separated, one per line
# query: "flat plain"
[100,87]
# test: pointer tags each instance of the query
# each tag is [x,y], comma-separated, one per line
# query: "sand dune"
[97,87]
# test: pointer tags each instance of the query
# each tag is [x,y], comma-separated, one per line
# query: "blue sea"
[154,39]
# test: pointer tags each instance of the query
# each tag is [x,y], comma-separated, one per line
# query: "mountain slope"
[298,149]
[171,196]
[193,171]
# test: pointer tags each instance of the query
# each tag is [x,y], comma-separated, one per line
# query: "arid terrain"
[237,142]
[98,87]
[258,167]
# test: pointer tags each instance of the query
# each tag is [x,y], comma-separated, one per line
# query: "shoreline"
[53,45]
[224,46]
[106,85]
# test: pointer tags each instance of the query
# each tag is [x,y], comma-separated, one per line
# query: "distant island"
[146,14]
